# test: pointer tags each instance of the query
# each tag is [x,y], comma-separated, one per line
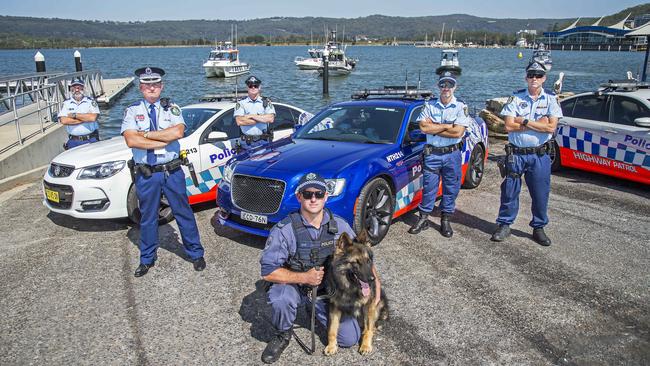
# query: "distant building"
[595,37]
[640,20]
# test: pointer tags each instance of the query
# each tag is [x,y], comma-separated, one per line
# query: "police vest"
[311,253]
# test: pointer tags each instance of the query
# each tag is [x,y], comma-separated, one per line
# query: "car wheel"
[475,168]
[554,154]
[164,212]
[374,212]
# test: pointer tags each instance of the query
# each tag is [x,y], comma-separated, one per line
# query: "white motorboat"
[449,62]
[223,62]
[338,63]
[543,56]
[313,62]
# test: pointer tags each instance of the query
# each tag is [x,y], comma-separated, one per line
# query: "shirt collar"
[258,99]
[542,95]
[452,102]
[147,104]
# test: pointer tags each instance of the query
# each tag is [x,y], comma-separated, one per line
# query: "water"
[487,73]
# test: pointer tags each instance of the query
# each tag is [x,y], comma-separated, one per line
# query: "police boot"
[445,225]
[502,232]
[540,237]
[422,224]
[276,346]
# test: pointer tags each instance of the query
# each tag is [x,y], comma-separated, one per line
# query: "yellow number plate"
[52,195]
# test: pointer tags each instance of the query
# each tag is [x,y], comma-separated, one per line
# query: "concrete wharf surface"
[68,295]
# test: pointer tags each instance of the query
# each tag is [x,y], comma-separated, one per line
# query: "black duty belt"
[87,137]
[539,150]
[430,149]
[147,170]
[254,138]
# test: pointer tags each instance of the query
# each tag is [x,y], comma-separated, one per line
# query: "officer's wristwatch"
[525,122]
[74,115]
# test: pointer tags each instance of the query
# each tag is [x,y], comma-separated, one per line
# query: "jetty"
[30,135]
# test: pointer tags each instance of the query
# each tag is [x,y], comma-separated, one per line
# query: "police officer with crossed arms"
[254,115]
[443,120]
[289,263]
[531,117]
[79,115]
[152,127]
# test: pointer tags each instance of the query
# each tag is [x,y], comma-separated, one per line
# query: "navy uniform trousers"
[448,167]
[285,299]
[74,143]
[172,184]
[537,172]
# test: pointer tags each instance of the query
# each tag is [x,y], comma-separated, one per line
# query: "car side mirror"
[216,136]
[642,121]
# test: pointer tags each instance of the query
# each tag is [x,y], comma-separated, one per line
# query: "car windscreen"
[366,124]
[195,117]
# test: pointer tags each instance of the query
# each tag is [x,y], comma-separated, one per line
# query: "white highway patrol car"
[93,181]
[607,131]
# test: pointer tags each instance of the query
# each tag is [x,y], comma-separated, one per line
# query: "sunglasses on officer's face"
[309,194]
[253,86]
[534,75]
[446,85]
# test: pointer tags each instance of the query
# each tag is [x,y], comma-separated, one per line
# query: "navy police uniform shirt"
[521,104]
[85,105]
[249,106]
[136,117]
[281,242]
[453,113]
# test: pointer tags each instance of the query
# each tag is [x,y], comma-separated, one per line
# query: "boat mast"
[442,34]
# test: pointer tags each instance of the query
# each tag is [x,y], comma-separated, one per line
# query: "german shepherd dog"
[352,284]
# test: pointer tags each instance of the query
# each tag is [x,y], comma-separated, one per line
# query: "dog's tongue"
[365,288]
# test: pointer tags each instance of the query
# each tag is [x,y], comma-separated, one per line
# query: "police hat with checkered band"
[311,180]
[150,75]
[77,81]
[252,80]
[536,67]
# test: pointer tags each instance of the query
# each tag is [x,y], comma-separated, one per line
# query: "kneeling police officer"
[254,115]
[151,128]
[297,249]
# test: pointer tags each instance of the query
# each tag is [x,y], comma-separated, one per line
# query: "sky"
[132,10]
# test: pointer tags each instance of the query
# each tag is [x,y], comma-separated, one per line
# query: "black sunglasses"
[253,86]
[309,194]
[446,84]
[534,75]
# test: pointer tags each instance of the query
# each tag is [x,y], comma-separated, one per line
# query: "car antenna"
[419,72]
[406,81]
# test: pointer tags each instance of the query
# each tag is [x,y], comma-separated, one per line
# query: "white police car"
[607,131]
[93,181]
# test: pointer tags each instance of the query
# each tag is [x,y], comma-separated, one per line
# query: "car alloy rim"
[477,166]
[378,212]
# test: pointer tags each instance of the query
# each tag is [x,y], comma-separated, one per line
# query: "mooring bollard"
[77,61]
[40,61]
[326,72]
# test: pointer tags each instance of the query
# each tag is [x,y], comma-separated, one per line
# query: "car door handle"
[611,131]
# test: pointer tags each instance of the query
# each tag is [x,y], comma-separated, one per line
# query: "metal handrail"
[47,91]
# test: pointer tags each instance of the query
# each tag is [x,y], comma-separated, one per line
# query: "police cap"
[252,80]
[311,180]
[447,76]
[150,75]
[536,67]
[77,81]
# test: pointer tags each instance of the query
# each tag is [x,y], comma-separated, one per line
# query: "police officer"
[443,120]
[151,128]
[253,115]
[289,263]
[531,116]
[79,115]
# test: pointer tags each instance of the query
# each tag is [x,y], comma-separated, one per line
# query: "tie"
[151,157]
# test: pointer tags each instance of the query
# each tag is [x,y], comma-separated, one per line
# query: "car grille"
[65,195]
[257,195]
[60,170]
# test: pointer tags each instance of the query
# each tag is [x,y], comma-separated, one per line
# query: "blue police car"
[368,149]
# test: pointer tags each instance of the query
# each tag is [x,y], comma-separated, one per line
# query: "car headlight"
[101,171]
[227,172]
[335,186]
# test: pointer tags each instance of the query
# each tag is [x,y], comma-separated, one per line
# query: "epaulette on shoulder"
[461,101]
[519,91]
[284,222]
[549,92]
[135,104]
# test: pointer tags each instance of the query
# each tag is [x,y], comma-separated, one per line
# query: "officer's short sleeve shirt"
[521,104]
[86,105]
[249,106]
[455,112]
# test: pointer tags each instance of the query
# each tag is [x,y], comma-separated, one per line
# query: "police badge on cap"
[252,80]
[312,180]
[536,67]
